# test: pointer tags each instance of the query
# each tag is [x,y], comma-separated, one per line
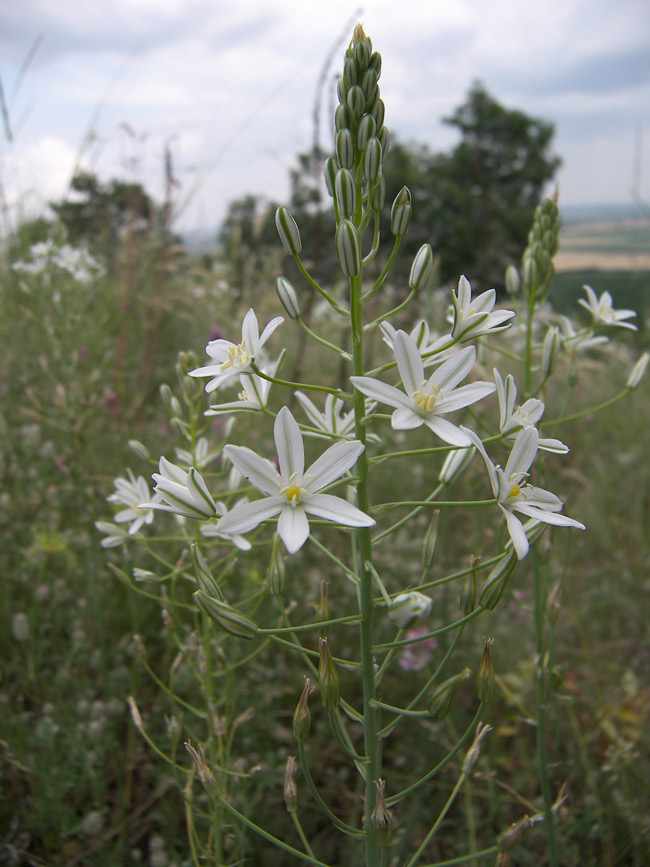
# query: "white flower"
[576,341]
[184,492]
[602,310]
[475,318]
[514,494]
[428,345]
[114,535]
[332,422]
[131,492]
[212,531]
[254,394]
[408,608]
[235,358]
[292,493]
[202,455]
[426,400]
[526,415]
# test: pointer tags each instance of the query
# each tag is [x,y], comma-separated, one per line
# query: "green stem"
[438,822]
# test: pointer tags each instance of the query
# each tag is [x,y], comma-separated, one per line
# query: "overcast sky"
[231,89]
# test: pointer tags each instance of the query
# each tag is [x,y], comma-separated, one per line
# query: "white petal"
[484,302]
[310,409]
[447,431]
[257,470]
[492,471]
[455,369]
[337,510]
[380,391]
[409,362]
[250,331]
[288,441]
[268,331]
[246,516]
[464,396]
[293,528]
[464,292]
[547,517]
[523,452]
[405,418]
[332,464]
[555,446]
[517,533]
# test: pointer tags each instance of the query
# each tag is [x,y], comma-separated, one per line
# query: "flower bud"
[430,544]
[356,102]
[372,159]
[408,608]
[513,281]
[638,372]
[348,248]
[322,609]
[329,172]
[375,62]
[384,137]
[344,149]
[277,569]
[342,117]
[444,694]
[530,272]
[341,89]
[381,817]
[226,616]
[140,449]
[362,54]
[475,750]
[497,580]
[378,194]
[202,768]
[468,594]
[369,85]
[301,716]
[166,394]
[421,268]
[290,789]
[400,214]
[485,676]
[288,231]
[288,298]
[378,111]
[328,677]
[455,463]
[345,192]
[550,350]
[204,577]
[366,131]
[350,73]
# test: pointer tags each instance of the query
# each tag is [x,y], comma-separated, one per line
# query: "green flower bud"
[550,350]
[378,111]
[443,695]
[375,62]
[497,580]
[384,137]
[421,268]
[348,248]
[166,394]
[322,609]
[329,171]
[468,594]
[342,117]
[356,102]
[350,73]
[345,148]
[485,676]
[408,608]
[346,193]
[341,89]
[372,159]
[378,194]
[430,544]
[400,214]
[288,298]
[277,569]
[513,281]
[139,449]
[362,54]
[288,231]
[367,130]
[301,716]
[530,272]
[228,618]
[638,372]
[455,463]
[206,581]
[369,85]
[328,677]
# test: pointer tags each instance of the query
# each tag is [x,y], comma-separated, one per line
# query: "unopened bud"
[497,580]
[375,62]
[550,350]
[367,130]
[277,569]
[288,298]
[348,248]
[381,817]
[468,594]
[444,694]
[513,280]
[166,394]
[362,53]
[384,137]
[638,372]
[369,85]
[139,449]
[231,620]
[301,716]
[485,676]
[328,677]
[346,193]
[290,789]
[455,463]
[430,544]
[135,713]
[408,608]
[202,768]
[400,214]
[475,750]
[378,111]
[372,158]
[378,194]
[350,73]
[204,577]
[341,89]
[288,231]
[329,172]
[342,117]
[530,272]
[322,608]
[345,148]
[356,102]
[421,268]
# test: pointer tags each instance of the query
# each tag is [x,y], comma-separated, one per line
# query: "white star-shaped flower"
[235,358]
[427,400]
[578,341]
[602,309]
[526,415]
[254,394]
[292,493]
[184,492]
[131,492]
[211,530]
[514,494]
[475,318]
[428,343]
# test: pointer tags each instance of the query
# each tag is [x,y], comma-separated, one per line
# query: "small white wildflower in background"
[115,535]
[131,492]
[638,371]
[332,421]
[578,341]
[202,455]
[184,492]
[254,394]
[408,608]
[235,358]
[475,318]
[292,492]
[92,823]
[602,310]
[426,400]
[514,494]
[526,415]
[20,627]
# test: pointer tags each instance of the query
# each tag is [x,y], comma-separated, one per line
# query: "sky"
[230,91]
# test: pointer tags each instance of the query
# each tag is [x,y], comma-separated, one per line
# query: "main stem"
[371,715]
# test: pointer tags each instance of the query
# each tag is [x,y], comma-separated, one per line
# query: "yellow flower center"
[292,491]
[426,397]
[237,356]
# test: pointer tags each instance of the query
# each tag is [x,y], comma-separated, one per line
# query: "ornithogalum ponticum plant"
[365,513]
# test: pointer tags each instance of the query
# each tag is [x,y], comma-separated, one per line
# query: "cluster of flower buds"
[543,242]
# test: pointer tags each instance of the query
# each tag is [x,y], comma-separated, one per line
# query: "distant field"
[613,245]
